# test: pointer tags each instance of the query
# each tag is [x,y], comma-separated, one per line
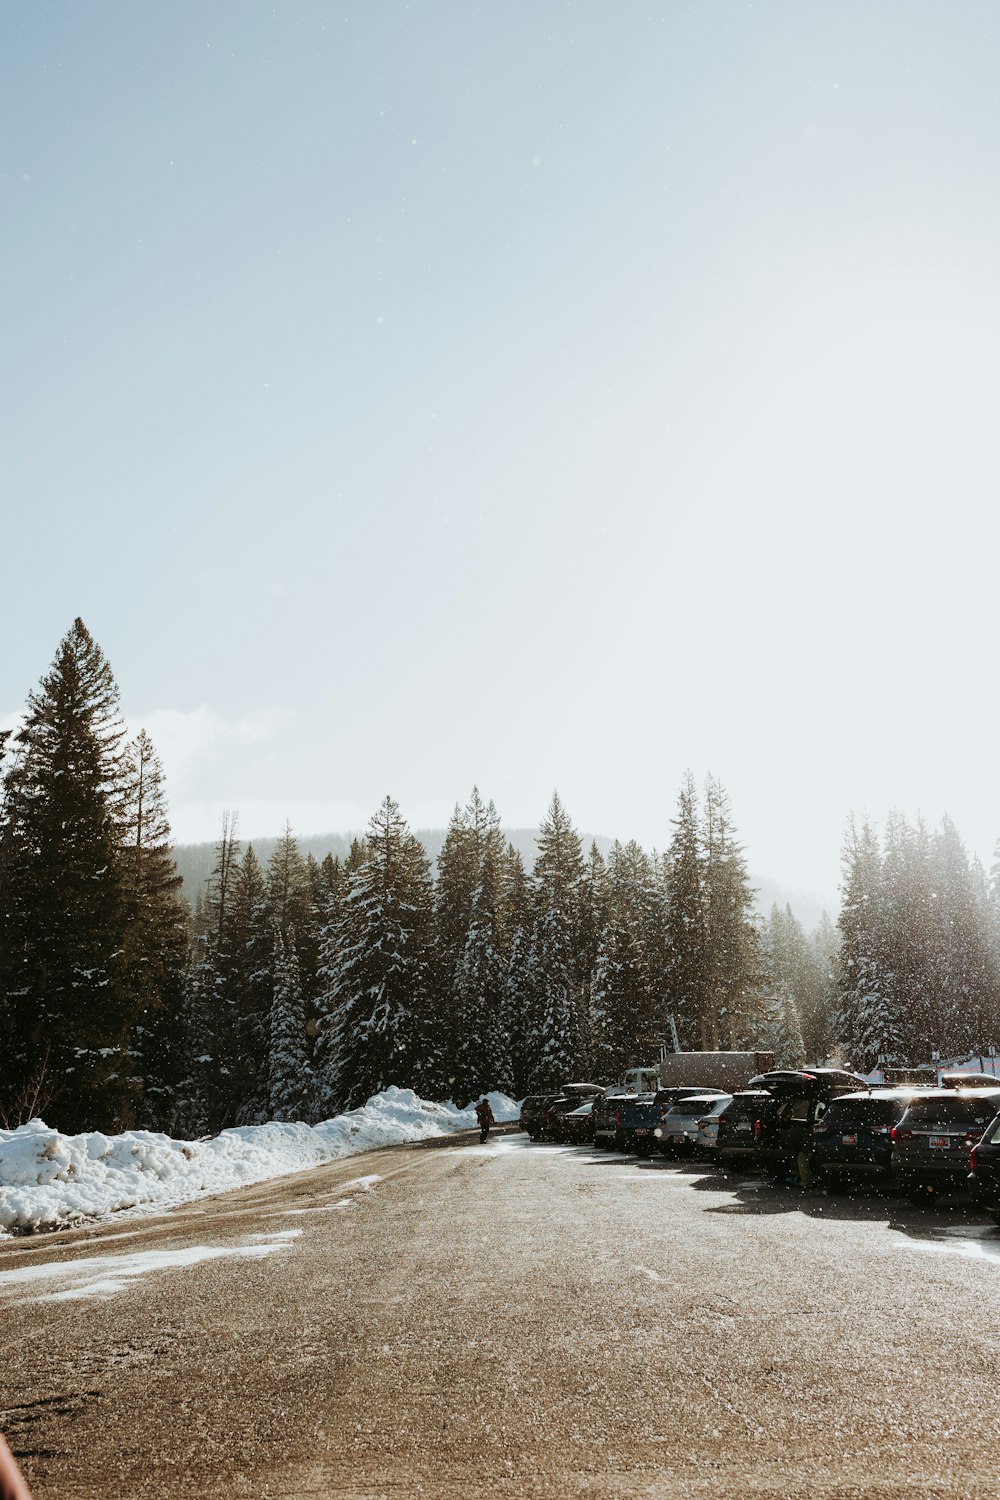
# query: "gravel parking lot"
[539,1320]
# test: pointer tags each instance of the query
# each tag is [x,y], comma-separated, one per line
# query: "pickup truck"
[639,1118]
[635,1120]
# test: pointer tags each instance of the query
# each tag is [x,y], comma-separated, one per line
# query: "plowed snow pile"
[48,1179]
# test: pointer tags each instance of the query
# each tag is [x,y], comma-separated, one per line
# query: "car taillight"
[895,1135]
[618,1116]
[756,1129]
[973,1160]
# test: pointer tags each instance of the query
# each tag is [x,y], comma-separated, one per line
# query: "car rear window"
[743,1109]
[865,1112]
[952,1111]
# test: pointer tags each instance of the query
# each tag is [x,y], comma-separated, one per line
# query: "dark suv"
[532,1117]
[852,1141]
[801,1097]
[931,1143]
[605,1118]
[741,1125]
[984,1179]
[570,1096]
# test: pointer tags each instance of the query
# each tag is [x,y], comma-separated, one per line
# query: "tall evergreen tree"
[686,921]
[289,1069]
[870,1024]
[732,999]
[155,951]
[483,1050]
[377,1005]
[68,1009]
[248,982]
[558,1031]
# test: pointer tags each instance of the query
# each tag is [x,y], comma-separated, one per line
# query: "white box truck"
[729,1071]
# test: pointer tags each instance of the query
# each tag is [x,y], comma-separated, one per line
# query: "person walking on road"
[484,1115]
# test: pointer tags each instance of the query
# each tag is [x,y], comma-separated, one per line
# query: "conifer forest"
[297,988]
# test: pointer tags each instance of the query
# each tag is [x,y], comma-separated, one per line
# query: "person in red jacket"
[485,1117]
[12,1485]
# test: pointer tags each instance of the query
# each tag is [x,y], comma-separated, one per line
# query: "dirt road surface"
[515,1320]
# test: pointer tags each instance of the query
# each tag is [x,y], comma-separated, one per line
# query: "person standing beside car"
[796,1140]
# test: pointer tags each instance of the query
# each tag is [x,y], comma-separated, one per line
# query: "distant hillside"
[195,861]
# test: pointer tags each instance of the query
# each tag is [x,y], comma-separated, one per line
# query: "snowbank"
[48,1179]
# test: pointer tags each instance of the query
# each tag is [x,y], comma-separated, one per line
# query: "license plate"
[742,1124]
[940,1142]
[849,1140]
[642,1130]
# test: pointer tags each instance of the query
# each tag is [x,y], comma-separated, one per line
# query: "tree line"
[299,987]
[920,946]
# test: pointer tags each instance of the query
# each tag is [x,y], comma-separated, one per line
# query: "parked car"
[984,1177]
[852,1140]
[932,1142]
[639,1120]
[570,1096]
[605,1120]
[680,1130]
[739,1127]
[532,1116]
[577,1125]
[635,1121]
[707,1142]
[783,1130]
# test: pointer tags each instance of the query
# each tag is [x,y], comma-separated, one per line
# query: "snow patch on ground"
[49,1180]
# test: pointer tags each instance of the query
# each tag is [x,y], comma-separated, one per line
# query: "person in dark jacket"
[485,1117]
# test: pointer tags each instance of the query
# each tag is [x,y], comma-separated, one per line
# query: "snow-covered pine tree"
[155,952]
[204,1099]
[594,906]
[376,1007]
[819,1005]
[483,1050]
[783,950]
[733,973]
[289,1070]
[549,1031]
[248,984]
[869,1026]
[630,1019]
[293,896]
[67,1010]
[686,919]
[558,1031]
[963,977]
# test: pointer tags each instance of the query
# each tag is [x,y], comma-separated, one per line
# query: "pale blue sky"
[525,394]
